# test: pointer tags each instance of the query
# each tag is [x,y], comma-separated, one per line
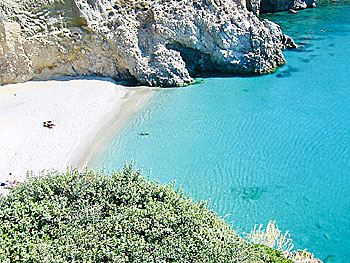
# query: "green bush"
[115,217]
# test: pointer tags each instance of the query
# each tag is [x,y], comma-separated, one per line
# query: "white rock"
[158,43]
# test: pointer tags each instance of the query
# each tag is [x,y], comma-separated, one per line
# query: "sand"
[86,113]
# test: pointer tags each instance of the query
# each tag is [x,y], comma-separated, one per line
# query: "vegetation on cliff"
[115,217]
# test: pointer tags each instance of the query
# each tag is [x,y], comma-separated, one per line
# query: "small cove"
[274,147]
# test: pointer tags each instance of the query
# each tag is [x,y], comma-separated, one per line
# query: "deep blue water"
[275,147]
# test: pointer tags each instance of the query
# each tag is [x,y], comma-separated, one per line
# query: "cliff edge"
[158,43]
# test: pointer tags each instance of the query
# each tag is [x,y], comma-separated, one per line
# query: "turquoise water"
[275,147]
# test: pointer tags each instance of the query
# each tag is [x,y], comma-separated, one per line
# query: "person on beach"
[10,184]
[48,124]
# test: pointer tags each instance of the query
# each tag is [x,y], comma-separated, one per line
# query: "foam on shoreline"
[85,112]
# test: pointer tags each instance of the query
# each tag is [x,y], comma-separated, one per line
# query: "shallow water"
[275,147]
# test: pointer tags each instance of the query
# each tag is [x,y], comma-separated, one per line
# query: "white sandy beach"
[78,108]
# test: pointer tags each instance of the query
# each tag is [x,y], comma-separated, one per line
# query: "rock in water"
[158,43]
[268,6]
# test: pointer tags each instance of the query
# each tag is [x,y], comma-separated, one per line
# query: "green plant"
[115,217]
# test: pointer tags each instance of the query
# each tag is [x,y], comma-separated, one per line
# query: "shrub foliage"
[115,217]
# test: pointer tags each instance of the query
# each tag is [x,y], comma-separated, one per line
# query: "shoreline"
[87,113]
[89,151]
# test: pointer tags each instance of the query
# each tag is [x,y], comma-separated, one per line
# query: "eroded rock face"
[254,6]
[158,43]
[269,6]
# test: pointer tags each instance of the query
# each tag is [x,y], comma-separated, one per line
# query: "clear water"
[275,147]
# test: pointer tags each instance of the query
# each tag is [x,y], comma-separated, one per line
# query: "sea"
[272,147]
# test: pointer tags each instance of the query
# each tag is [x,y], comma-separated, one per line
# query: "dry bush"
[271,237]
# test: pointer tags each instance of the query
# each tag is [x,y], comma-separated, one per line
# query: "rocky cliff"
[158,42]
[268,6]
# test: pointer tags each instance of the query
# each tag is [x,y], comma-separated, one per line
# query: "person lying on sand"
[9,184]
[48,124]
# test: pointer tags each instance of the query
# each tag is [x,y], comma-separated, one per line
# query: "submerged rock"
[158,43]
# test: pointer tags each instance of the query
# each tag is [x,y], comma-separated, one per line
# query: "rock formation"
[269,6]
[302,256]
[158,43]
